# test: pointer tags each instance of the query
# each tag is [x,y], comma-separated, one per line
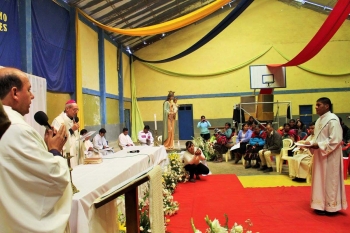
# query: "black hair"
[102,130]
[83,131]
[229,125]
[325,100]
[312,123]
[146,127]
[125,129]
[202,116]
[291,120]
[8,81]
[284,125]
[188,144]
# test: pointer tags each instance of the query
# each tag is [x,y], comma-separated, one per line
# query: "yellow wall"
[59,100]
[92,110]
[111,68]
[112,111]
[126,76]
[89,56]
[264,24]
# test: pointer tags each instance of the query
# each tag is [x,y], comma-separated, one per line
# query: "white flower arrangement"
[206,147]
[215,227]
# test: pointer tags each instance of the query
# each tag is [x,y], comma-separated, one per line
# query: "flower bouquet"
[206,147]
[215,227]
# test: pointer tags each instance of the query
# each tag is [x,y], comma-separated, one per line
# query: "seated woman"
[301,129]
[192,161]
[223,141]
[300,163]
[243,138]
[290,133]
[256,143]
[228,132]
[252,123]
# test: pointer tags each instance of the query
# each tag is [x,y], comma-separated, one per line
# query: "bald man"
[36,192]
[68,118]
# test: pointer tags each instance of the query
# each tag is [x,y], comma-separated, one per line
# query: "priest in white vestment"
[328,191]
[299,164]
[125,140]
[68,118]
[145,137]
[99,140]
[36,193]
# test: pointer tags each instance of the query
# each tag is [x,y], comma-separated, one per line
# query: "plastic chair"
[287,145]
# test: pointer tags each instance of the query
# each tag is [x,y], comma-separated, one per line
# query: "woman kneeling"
[192,161]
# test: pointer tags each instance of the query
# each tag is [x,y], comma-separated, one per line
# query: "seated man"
[256,143]
[99,140]
[145,137]
[124,139]
[301,161]
[88,147]
[192,161]
[273,145]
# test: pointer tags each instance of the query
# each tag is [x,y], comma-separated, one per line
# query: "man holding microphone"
[68,118]
[36,193]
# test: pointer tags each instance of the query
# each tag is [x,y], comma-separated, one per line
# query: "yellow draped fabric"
[79,82]
[166,26]
[136,119]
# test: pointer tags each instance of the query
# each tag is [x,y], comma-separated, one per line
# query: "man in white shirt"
[88,147]
[68,118]
[99,140]
[327,186]
[145,137]
[125,140]
[36,193]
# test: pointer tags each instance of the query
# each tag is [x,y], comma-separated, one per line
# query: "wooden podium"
[265,110]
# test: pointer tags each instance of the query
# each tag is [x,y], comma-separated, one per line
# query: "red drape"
[333,22]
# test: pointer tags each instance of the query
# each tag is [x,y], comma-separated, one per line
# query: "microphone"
[42,119]
[133,151]
[76,119]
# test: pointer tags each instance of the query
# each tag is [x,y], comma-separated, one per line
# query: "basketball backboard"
[262,76]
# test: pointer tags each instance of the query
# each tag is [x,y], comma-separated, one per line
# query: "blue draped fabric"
[10,48]
[208,37]
[52,47]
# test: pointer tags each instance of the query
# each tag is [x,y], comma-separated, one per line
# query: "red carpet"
[271,210]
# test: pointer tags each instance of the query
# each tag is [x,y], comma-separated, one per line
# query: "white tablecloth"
[93,180]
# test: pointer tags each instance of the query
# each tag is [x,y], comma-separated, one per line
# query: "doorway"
[186,131]
[305,113]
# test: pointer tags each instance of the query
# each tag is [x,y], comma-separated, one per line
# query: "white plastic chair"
[287,145]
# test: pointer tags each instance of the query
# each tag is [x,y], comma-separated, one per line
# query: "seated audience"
[290,134]
[192,161]
[273,145]
[145,137]
[243,138]
[229,133]
[344,128]
[256,143]
[301,161]
[99,140]
[223,141]
[251,123]
[301,129]
[292,124]
[124,139]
